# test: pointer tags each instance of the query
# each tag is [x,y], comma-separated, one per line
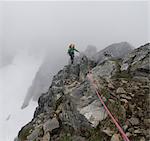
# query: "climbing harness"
[124,136]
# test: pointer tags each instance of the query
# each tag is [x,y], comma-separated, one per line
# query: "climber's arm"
[76,50]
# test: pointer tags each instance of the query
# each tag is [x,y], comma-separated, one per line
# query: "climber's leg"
[72,58]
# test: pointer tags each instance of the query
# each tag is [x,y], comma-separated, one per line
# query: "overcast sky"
[38,25]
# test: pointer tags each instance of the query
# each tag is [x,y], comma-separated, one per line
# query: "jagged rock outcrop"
[43,77]
[116,50]
[70,109]
[137,62]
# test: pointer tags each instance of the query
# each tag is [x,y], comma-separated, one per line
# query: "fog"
[41,25]
[14,81]
[31,30]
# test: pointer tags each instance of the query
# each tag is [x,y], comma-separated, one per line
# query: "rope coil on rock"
[107,110]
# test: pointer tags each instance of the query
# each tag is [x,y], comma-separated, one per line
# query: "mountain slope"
[71,111]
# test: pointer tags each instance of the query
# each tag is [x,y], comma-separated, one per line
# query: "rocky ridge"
[44,75]
[71,111]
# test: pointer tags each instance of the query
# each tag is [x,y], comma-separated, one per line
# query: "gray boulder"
[105,69]
[50,125]
[137,62]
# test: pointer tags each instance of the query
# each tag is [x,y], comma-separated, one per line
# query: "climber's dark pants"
[72,58]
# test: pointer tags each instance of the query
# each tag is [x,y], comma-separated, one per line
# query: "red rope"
[109,113]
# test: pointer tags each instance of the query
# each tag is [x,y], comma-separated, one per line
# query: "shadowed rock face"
[41,81]
[70,109]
